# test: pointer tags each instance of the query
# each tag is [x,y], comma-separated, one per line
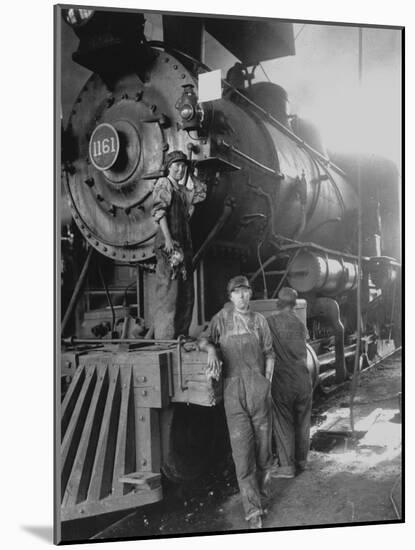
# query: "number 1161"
[107,145]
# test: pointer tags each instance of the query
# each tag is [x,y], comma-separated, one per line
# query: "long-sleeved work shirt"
[176,203]
[190,194]
[254,343]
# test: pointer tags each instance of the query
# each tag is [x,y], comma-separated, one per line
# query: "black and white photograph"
[229,280]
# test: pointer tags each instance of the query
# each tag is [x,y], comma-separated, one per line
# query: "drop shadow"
[43,532]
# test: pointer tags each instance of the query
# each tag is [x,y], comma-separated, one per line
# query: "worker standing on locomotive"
[174,197]
[291,387]
[245,343]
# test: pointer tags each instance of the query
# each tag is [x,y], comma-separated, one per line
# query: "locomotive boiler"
[277,210]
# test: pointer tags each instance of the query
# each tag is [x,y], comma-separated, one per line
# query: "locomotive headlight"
[77,17]
[187,111]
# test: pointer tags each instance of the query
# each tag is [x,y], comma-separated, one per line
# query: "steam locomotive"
[278,209]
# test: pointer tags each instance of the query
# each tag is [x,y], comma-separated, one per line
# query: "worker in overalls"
[174,197]
[245,344]
[291,387]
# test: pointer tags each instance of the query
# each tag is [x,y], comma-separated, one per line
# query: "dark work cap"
[175,156]
[287,296]
[238,282]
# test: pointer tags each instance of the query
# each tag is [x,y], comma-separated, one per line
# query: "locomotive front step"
[142,480]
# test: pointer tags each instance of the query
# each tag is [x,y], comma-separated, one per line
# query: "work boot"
[285,472]
[255,522]
[301,467]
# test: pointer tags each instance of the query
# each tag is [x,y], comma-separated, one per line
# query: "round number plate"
[104,146]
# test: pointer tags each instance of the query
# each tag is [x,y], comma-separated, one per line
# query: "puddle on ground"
[335,442]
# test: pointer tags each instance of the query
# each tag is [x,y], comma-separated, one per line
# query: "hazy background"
[323,86]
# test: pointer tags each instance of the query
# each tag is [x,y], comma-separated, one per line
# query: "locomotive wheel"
[189,440]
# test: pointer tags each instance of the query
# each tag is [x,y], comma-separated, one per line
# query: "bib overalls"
[247,402]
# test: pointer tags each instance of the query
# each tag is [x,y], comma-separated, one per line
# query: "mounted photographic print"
[228,309]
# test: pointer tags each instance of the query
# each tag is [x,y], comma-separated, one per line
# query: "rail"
[331,372]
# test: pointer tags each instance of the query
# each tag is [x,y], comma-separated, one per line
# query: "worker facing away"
[291,387]
[244,340]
